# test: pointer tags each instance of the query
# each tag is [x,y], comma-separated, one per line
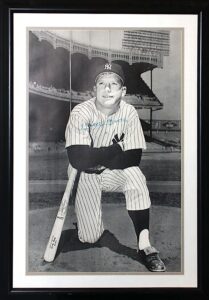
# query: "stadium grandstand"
[60,78]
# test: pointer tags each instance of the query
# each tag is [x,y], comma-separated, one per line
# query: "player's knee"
[90,239]
[93,239]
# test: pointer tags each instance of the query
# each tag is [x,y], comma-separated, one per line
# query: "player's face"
[109,91]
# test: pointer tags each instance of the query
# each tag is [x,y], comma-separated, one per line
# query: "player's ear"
[124,91]
[94,88]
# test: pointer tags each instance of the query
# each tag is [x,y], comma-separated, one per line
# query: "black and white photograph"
[104,151]
[103,114]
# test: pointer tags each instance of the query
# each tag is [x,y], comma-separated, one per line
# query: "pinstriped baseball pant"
[88,207]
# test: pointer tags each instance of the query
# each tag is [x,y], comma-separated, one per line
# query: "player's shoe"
[151,259]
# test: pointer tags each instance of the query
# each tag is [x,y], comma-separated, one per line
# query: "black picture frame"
[201,8]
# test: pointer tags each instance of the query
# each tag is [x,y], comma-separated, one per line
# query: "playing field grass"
[43,200]
[54,167]
[158,167]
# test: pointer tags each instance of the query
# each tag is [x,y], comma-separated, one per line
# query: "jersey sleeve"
[77,131]
[134,136]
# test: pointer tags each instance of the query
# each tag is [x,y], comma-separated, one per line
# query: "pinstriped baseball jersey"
[88,126]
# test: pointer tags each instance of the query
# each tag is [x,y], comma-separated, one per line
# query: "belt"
[94,171]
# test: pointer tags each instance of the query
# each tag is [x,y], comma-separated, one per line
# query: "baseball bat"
[53,242]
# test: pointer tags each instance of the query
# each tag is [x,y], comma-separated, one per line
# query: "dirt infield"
[114,252]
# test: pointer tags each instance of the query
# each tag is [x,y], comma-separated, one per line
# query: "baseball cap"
[110,68]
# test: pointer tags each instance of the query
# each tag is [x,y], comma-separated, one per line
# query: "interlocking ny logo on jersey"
[108,66]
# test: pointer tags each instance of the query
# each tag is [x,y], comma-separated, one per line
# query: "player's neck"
[107,111]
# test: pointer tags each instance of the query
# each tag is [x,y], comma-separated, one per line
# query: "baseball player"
[104,141]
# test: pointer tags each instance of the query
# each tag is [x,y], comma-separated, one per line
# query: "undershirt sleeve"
[126,159]
[82,157]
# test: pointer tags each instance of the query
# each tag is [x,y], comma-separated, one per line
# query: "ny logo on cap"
[108,66]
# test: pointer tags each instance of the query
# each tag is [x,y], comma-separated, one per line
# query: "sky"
[166,82]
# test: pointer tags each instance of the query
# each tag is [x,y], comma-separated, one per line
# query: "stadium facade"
[60,77]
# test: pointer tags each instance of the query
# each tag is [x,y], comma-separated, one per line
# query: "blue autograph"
[109,122]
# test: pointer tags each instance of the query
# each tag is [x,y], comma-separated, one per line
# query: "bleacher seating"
[142,99]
